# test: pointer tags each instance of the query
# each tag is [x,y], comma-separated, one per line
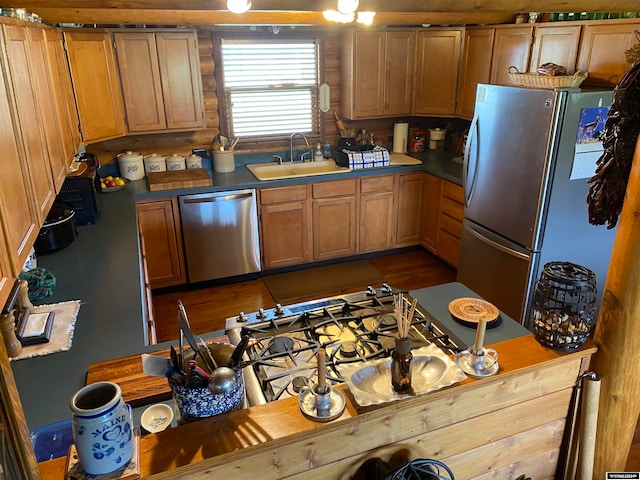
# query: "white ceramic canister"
[193,161]
[102,428]
[175,162]
[155,163]
[131,165]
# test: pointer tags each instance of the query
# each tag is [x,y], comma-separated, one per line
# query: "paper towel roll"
[400,136]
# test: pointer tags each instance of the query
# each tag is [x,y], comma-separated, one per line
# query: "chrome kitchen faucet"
[293,135]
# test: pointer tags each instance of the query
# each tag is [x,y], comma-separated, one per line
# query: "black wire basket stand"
[564,307]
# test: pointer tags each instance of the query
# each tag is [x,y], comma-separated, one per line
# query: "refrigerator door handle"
[467,180]
[496,245]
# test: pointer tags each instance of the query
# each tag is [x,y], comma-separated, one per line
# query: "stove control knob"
[261,315]
[279,310]
[371,290]
[386,289]
[242,317]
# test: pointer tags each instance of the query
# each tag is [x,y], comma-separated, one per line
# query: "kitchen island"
[501,426]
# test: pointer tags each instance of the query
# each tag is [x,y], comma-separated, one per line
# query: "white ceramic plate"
[370,382]
[157,417]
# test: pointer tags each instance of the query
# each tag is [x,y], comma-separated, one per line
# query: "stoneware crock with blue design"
[102,428]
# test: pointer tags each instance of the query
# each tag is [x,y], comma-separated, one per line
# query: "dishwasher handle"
[216,198]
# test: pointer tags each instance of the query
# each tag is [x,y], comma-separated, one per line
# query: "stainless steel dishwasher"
[220,232]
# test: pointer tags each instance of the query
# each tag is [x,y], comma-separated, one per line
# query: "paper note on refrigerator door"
[589,142]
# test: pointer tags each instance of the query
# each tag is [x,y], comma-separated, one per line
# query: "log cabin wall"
[184,142]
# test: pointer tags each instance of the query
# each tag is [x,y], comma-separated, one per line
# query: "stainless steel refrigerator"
[529,155]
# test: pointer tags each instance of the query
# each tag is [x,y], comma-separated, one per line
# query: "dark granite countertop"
[101,268]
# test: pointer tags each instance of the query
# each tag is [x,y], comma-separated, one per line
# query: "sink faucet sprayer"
[293,135]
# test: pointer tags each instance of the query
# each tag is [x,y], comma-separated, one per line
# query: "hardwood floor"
[208,308]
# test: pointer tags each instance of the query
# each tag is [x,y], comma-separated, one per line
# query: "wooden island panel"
[498,427]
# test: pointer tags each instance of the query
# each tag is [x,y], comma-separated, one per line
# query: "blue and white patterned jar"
[102,428]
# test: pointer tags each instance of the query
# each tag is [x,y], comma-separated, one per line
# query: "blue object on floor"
[52,441]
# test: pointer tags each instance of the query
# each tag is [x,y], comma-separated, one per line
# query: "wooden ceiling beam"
[207,17]
[406,6]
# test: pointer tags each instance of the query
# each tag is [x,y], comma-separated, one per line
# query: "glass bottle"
[401,360]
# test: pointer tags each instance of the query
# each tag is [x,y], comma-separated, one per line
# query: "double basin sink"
[276,171]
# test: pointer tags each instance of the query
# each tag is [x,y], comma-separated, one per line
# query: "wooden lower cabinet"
[430,211]
[159,226]
[334,219]
[376,214]
[285,234]
[450,222]
[409,207]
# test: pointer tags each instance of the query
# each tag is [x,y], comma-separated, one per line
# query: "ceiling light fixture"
[239,6]
[335,16]
[348,6]
[365,18]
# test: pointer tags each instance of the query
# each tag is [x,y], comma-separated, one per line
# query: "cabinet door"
[398,73]
[602,52]
[181,79]
[42,80]
[95,83]
[334,227]
[555,44]
[30,125]
[375,229]
[63,92]
[475,68]
[363,57]
[159,225]
[511,47]
[284,231]
[18,212]
[437,61]
[140,77]
[409,203]
[430,211]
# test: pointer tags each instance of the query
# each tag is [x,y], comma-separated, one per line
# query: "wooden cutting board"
[176,179]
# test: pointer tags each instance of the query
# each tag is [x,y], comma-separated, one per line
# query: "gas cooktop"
[355,327]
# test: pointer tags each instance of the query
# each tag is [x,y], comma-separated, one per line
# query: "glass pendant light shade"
[347,6]
[239,6]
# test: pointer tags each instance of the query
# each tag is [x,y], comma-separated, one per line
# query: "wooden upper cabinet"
[95,84]
[377,71]
[511,47]
[555,44]
[63,92]
[436,71]
[18,212]
[181,79]
[475,68]
[25,92]
[602,52]
[42,79]
[161,80]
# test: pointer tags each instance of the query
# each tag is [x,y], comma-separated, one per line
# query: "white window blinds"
[271,87]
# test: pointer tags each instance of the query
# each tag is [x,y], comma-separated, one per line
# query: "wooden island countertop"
[502,426]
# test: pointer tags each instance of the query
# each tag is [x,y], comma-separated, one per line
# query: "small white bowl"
[157,417]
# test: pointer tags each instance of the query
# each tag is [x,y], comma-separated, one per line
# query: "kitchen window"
[270,86]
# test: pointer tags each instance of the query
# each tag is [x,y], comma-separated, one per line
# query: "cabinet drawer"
[451,225]
[448,248]
[451,208]
[453,191]
[334,189]
[383,183]
[283,194]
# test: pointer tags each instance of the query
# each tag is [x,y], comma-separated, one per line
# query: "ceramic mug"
[102,428]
